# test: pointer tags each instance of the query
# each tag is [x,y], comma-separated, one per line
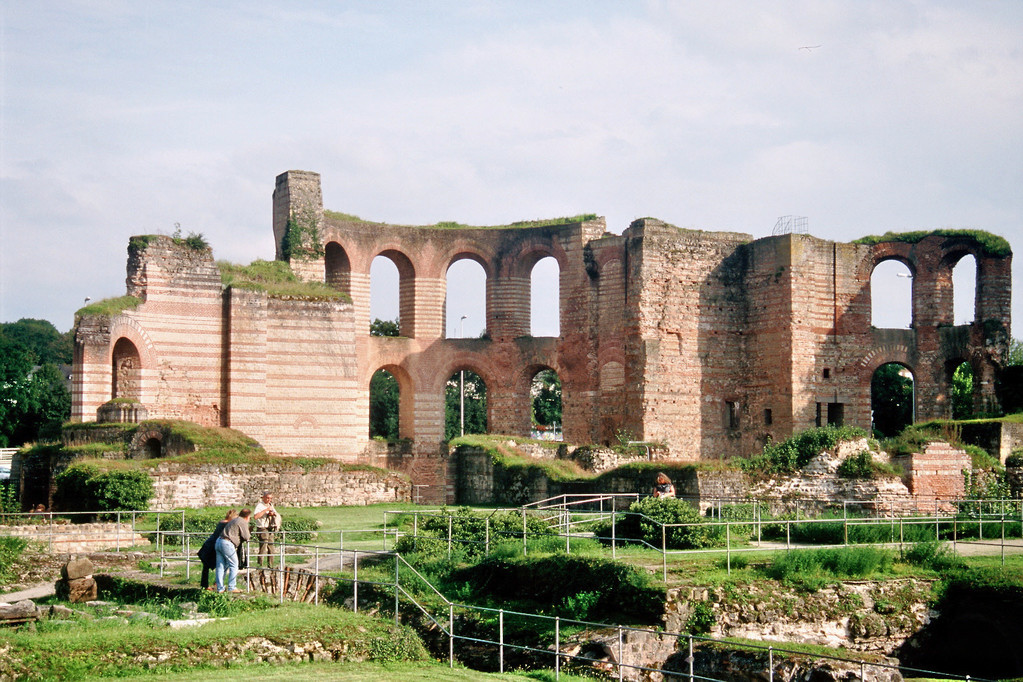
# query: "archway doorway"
[465,404]
[126,371]
[545,396]
[961,391]
[384,406]
[891,399]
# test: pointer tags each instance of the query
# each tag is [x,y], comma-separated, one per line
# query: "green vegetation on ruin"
[214,445]
[992,244]
[276,279]
[110,647]
[505,455]
[110,306]
[451,225]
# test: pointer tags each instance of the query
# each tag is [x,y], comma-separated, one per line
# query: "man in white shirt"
[268,522]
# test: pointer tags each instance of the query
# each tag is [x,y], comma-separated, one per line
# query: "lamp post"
[461,385]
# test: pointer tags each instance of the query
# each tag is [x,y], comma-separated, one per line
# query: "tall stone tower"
[298,221]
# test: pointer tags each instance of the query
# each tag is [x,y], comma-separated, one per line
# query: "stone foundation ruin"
[706,343]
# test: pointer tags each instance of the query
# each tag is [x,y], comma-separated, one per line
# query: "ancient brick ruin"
[708,343]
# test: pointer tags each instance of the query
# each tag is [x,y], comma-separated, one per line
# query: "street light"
[461,385]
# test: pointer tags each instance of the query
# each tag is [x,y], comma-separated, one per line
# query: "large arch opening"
[465,304]
[338,268]
[465,404]
[891,295]
[392,291]
[545,298]
[961,390]
[126,372]
[964,290]
[546,406]
[891,399]
[384,406]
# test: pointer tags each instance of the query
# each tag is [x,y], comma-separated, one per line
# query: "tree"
[962,392]
[15,372]
[475,405]
[1014,357]
[42,339]
[384,401]
[891,399]
[546,394]
[380,327]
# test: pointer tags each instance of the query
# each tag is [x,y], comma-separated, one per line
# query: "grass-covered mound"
[121,647]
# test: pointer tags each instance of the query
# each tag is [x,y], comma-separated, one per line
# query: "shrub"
[1015,459]
[646,518]
[121,490]
[934,555]
[469,531]
[795,452]
[811,566]
[862,465]
[701,619]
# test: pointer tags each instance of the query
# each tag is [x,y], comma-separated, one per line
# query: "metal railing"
[419,596]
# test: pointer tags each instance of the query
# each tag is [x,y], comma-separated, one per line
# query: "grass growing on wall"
[452,225]
[505,455]
[992,244]
[275,278]
[110,306]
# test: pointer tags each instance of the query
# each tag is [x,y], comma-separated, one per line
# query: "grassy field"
[359,672]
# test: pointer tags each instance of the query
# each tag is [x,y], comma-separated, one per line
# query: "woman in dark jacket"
[208,551]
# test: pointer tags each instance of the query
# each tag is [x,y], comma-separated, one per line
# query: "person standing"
[268,522]
[208,552]
[234,534]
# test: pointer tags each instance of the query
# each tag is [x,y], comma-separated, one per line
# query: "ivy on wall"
[302,236]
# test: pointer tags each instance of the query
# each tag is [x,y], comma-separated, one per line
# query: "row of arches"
[465,405]
[391,278]
[891,286]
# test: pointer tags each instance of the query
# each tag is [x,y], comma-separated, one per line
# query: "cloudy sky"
[125,117]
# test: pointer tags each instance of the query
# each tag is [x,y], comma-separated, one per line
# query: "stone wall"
[68,538]
[710,343]
[180,486]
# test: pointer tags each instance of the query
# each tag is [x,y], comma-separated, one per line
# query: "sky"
[122,117]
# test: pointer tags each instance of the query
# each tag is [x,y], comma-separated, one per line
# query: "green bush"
[1015,459]
[84,487]
[646,518]
[605,589]
[813,565]
[469,531]
[796,452]
[936,556]
[862,465]
[701,619]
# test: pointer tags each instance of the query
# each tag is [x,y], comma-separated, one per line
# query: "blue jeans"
[227,560]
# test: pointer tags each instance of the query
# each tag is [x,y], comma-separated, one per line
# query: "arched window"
[961,391]
[392,286]
[545,395]
[466,302]
[891,295]
[891,399]
[545,298]
[384,406]
[338,269]
[126,371]
[465,404]
[964,290]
